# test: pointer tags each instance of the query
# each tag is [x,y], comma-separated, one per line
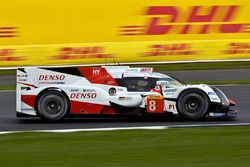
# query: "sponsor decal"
[162,20]
[9,55]
[132,70]
[155,97]
[120,89]
[67,53]
[211,93]
[125,98]
[170,90]
[170,49]
[22,77]
[88,90]
[51,79]
[96,71]
[215,99]
[83,95]
[238,48]
[74,90]
[145,69]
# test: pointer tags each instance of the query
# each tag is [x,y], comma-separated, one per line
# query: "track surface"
[9,122]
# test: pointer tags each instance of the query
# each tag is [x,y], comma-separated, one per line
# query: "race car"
[54,93]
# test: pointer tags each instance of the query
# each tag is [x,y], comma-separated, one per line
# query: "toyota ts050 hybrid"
[53,93]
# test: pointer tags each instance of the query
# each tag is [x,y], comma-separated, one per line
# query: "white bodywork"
[32,81]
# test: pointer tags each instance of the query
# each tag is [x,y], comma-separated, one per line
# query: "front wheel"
[52,106]
[193,104]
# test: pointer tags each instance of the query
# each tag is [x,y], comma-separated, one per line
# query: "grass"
[190,147]
[7,87]
[7,72]
[220,82]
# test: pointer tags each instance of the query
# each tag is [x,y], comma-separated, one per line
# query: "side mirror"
[162,83]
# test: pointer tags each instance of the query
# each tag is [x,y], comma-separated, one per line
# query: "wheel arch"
[197,115]
[50,89]
[193,89]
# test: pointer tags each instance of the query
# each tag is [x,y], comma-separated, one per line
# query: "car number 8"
[152,105]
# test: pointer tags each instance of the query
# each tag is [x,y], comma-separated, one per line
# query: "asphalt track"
[9,122]
[240,93]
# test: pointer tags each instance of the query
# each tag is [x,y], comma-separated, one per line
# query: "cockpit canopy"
[143,82]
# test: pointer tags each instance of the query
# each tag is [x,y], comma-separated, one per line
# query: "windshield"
[145,84]
[171,82]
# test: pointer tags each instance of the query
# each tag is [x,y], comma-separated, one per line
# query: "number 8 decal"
[155,104]
[152,105]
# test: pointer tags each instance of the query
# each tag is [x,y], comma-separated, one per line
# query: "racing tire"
[52,106]
[193,104]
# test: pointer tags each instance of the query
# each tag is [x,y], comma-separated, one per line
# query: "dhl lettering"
[8,55]
[81,53]
[8,32]
[194,20]
[170,49]
[83,95]
[51,77]
[238,48]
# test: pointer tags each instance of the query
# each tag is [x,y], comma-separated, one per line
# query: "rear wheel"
[193,104]
[52,105]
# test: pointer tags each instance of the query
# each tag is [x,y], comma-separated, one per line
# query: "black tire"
[52,106]
[193,104]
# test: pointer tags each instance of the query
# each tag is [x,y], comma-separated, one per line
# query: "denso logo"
[51,77]
[83,95]
[193,20]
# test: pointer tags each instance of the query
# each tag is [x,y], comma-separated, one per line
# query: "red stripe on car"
[29,99]
[89,108]
[97,75]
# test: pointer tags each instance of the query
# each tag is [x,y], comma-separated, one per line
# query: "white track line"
[131,128]
[3,91]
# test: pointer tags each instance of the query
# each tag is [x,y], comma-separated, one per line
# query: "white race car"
[53,93]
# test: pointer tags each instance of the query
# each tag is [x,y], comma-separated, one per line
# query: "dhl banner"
[146,51]
[56,32]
